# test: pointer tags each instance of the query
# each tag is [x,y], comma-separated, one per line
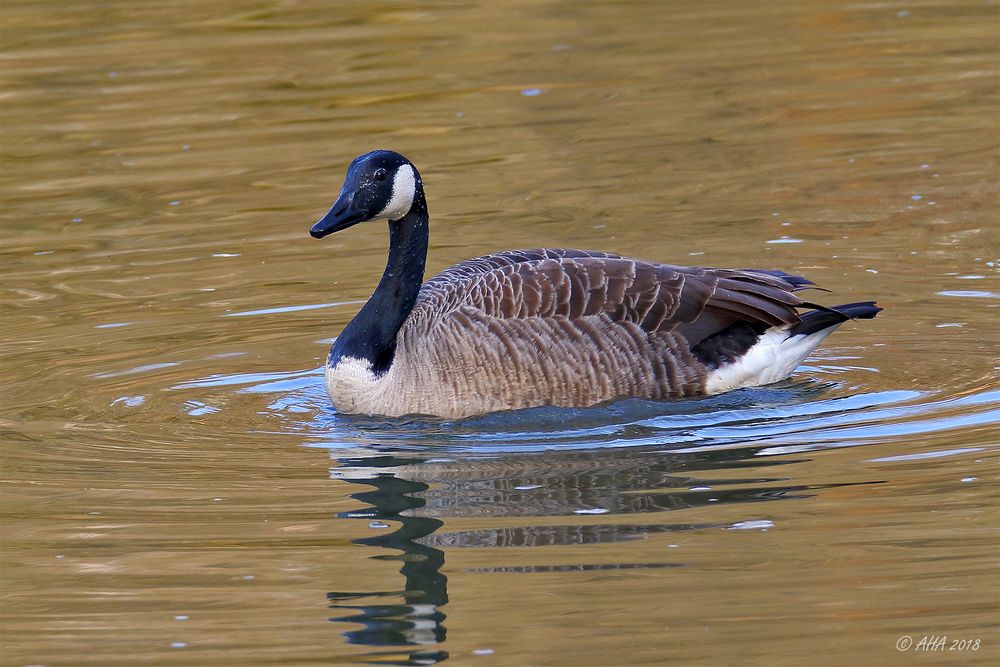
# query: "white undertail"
[772,358]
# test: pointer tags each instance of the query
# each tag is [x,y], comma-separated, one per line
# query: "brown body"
[559,327]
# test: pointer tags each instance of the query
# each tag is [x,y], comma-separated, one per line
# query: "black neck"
[372,333]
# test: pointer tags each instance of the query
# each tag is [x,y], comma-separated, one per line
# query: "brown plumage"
[573,328]
[564,327]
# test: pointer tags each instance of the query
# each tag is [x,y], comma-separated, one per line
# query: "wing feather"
[575,284]
[575,327]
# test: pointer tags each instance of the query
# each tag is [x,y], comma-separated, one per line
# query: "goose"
[550,326]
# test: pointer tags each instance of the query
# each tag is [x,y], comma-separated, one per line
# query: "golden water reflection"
[177,490]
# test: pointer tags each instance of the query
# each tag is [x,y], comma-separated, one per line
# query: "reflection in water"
[418,620]
[417,491]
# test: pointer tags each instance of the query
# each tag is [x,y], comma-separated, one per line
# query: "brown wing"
[575,284]
[481,265]
[571,327]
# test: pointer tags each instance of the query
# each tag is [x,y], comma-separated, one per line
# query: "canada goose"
[552,326]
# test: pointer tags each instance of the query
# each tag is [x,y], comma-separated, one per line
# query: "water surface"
[177,489]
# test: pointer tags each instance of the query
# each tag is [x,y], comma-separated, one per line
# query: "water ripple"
[789,417]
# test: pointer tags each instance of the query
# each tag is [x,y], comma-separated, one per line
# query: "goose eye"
[379,175]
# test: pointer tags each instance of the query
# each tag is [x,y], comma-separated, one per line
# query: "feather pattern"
[565,327]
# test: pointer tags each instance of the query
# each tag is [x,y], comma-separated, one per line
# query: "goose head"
[381,185]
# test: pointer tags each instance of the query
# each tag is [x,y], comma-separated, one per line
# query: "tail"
[818,320]
[774,354]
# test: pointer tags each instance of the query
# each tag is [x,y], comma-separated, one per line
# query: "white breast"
[352,385]
[413,384]
[354,388]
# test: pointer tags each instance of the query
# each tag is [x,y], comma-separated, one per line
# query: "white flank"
[404,189]
[772,358]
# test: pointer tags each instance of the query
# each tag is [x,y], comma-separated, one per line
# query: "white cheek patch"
[404,189]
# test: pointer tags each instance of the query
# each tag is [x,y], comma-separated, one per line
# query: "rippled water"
[177,489]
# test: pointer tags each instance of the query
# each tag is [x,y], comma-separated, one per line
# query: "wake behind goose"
[551,326]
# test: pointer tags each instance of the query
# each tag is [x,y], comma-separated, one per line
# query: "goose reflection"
[421,492]
[417,620]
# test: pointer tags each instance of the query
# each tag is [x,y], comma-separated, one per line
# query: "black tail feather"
[827,317]
[797,282]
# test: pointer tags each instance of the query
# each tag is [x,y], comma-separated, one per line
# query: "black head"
[381,185]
